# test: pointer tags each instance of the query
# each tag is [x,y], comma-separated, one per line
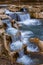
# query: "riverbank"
[22,3]
[35,10]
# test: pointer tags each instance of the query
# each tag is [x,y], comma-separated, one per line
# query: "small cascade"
[21,53]
[24,17]
[26,60]
[7,21]
[33,28]
[30,22]
[12,32]
[16,45]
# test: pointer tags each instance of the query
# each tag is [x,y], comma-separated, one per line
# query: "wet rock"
[4,16]
[1,28]
[5,61]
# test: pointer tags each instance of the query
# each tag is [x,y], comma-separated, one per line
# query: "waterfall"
[32,27]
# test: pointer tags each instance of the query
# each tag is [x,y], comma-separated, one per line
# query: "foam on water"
[31,22]
[27,34]
[25,60]
[25,41]
[12,32]
[7,11]
[24,17]
[16,45]
[32,49]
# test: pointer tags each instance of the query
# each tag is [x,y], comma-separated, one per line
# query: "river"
[29,29]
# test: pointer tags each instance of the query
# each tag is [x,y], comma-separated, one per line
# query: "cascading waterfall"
[33,27]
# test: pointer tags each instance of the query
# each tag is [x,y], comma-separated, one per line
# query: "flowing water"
[29,31]
[30,28]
